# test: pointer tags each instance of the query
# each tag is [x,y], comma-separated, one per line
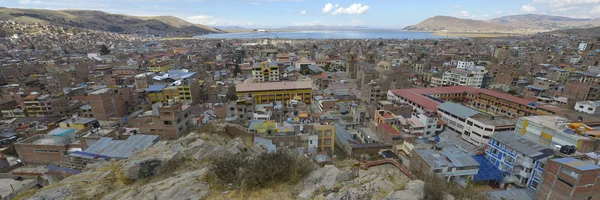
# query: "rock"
[414,190]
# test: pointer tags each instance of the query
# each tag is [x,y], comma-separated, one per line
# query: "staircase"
[390,161]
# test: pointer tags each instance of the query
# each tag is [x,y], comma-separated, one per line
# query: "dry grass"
[26,194]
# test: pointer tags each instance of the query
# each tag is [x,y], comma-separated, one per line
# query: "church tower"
[351,65]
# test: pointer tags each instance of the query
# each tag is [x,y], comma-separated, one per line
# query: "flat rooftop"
[495,121]
[577,164]
[523,144]
[448,157]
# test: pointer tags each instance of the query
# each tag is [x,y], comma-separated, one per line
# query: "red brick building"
[569,178]
[107,102]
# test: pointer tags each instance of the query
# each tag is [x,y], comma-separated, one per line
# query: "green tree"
[513,92]
[104,50]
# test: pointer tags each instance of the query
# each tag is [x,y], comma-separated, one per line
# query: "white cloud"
[456,7]
[566,3]
[354,9]
[596,10]
[215,21]
[498,12]
[463,14]
[303,12]
[528,8]
[202,19]
[356,22]
[29,2]
[327,8]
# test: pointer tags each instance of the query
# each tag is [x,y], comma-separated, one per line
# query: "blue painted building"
[520,159]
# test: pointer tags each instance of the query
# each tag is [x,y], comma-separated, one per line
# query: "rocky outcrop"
[176,170]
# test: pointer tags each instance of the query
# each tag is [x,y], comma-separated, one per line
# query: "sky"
[279,13]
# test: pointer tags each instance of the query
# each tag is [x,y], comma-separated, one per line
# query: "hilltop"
[528,23]
[220,161]
[102,21]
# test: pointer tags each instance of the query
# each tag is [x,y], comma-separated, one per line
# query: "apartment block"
[107,103]
[473,126]
[176,85]
[167,120]
[265,71]
[38,105]
[520,157]
[589,107]
[569,178]
[472,77]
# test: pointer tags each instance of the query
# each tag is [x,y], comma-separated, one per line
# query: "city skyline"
[263,13]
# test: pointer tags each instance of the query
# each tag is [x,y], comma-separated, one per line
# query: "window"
[168,122]
[327,133]
[327,141]
[534,184]
[470,123]
[565,182]
[569,172]
[152,130]
[494,151]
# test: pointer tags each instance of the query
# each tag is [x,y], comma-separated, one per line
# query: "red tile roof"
[416,95]
[389,129]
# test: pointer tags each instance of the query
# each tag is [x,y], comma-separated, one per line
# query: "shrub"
[265,170]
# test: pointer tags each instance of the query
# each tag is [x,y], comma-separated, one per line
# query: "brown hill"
[454,24]
[97,20]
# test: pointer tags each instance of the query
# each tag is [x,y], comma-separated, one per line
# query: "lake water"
[355,34]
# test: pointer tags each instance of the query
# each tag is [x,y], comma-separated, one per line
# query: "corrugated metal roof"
[121,148]
[156,88]
[457,109]
[522,144]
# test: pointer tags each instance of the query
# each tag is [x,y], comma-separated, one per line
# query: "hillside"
[454,24]
[535,22]
[595,31]
[527,23]
[97,20]
[219,161]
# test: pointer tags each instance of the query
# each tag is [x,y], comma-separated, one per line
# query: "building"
[473,126]
[327,137]
[489,101]
[167,120]
[107,103]
[551,131]
[472,77]
[176,85]
[589,107]
[520,158]
[48,148]
[159,66]
[269,92]
[465,64]
[451,163]
[45,105]
[569,178]
[502,52]
[582,46]
[265,71]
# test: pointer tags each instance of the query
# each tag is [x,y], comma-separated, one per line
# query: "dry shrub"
[265,170]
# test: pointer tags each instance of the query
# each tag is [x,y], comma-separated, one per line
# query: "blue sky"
[278,13]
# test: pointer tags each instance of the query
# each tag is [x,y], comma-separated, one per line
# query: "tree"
[104,50]
[219,45]
[435,43]
[513,92]
[31,47]
[236,70]
[381,43]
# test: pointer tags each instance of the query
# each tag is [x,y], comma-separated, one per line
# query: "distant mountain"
[514,23]
[454,24]
[323,27]
[98,20]
[230,27]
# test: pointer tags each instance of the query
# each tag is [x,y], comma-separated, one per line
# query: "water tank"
[567,149]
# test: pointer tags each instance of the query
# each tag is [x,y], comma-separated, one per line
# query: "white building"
[465,64]
[582,46]
[575,59]
[473,126]
[472,77]
[588,107]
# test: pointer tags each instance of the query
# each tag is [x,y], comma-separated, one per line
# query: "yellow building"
[159,67]
[269,92]
[78,124]
[326,137]
[265,71]
[161,93]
